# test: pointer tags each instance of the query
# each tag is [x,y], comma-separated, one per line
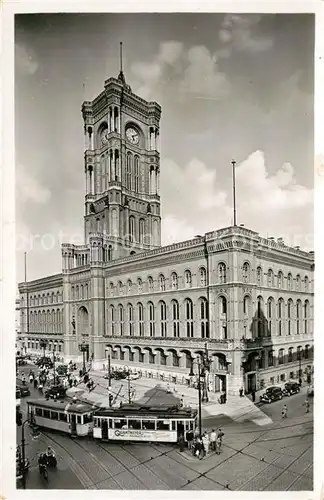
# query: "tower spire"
[121,76]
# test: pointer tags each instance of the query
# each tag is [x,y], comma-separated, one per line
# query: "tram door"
[73,422]
[180,428]
[104,428]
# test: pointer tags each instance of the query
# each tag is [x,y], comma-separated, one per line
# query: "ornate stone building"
[248,299]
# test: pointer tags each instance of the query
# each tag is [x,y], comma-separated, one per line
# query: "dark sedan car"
[56,390]
[24,391]
[291,388]
[271,394]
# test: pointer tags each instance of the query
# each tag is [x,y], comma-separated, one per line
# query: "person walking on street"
[241,392]
[181,401]
[253,396]
[189,438]
[168,388]
[284,411]
[205,441]
[181,443]
[220,435]
[218,445]
[306,404]
[213,440]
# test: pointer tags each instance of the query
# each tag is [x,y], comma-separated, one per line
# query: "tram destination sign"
[142,435]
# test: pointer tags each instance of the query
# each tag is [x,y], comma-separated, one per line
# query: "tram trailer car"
[143,423]
[66,416]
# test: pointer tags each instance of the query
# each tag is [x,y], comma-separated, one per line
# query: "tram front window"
[148,425]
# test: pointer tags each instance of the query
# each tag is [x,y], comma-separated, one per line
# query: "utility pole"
[54,364]
[129,393]
[199,398]
[109,373]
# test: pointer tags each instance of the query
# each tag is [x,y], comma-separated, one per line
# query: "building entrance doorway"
[220,383]
[250,383]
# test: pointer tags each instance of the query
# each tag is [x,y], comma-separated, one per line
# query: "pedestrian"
[35,383]
[168,388]
[174,389]
[218,445]
[284,411]
[213,440]
[181,401]
[253,396]
[181,443]
[307,405]
[189,438]
[220,435]
[31,378]
[241,392]
[205,441]
[196,433]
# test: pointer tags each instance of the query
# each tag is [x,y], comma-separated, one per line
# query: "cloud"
[25,60]
[236,34]
[177,73]
[29,188]
[194,202]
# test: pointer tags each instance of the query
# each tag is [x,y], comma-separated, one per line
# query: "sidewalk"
[238,409]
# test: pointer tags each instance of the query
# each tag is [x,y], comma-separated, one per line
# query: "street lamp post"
[200,375]
[206,362]
[83,348]
[54,363]
[300,369]
[23,446]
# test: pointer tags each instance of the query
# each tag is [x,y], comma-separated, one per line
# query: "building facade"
[246,299]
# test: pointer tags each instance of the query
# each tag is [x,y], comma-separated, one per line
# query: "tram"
[74,418]
[143,423]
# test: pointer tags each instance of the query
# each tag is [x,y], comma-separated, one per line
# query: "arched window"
[259,276]
[222,302]
[290,354]
[298,282]
[109,253]
[129,286]
[289,281]
[136,174]
[112,319]
[150,284]
[280,279]
[140,311]
[73,293]
[162,283]
[203,276]
[175,317]
[270,358]
[163,323]
[120,288]
[189,317]
[151,319]
[280,315]
[86,290]
[77,296]
[132,228]
[188,279]
[260,317]
[270,277]
[204,318]
[141,230]
[289,314]
[306,283]
[222,272]
[246,306]
[129,171]
[306,316]
[298,316]
[130,311]
[111,289]
[139,285]
[246,272]
[306,351]
[174,281]
[281,357]
[121,319]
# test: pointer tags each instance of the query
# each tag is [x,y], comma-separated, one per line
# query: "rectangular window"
[54,415]
[46,414]
[63,417]
[38,412]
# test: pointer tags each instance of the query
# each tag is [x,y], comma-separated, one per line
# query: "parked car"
[55,390]
[24,391]
[271,394]
[291,388]
[45,362]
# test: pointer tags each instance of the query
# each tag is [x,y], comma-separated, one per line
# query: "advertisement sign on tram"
[142,435]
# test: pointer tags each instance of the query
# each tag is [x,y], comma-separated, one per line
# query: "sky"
[230,86]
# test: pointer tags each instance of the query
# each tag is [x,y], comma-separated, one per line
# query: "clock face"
[104,136]
[132,136]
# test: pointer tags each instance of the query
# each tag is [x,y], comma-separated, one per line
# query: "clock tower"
[122,170]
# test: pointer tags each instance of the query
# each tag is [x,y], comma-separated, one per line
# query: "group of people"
[284,411]
[200,446]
